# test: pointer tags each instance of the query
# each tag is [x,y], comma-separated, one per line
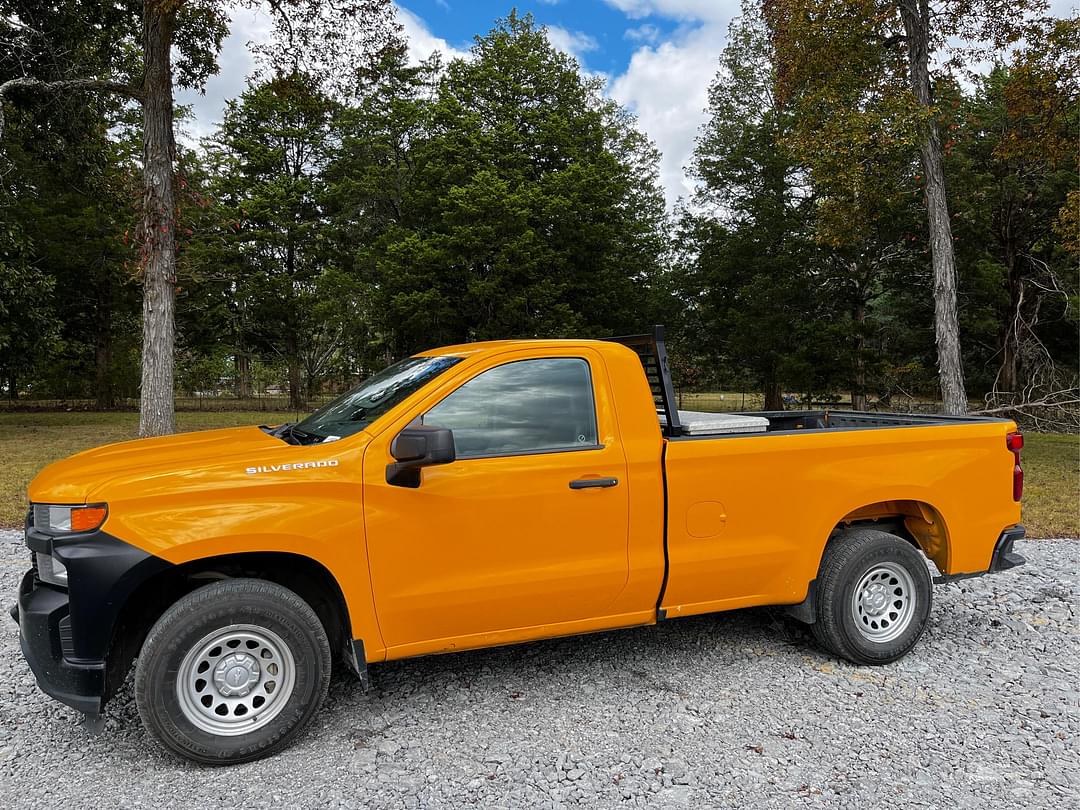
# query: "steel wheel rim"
[883,603]
[235,680]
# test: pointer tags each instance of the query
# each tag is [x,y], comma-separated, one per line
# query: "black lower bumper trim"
[1003,559]
[39,613]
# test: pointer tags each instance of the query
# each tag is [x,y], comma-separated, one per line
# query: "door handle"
[593,483]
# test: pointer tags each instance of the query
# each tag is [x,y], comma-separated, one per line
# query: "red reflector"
[1015,442]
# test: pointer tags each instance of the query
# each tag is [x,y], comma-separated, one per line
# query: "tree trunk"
[774,395]
[1009,374]
[243,375]
[157,413]
[858,389]
[292,360]
[104,395]
[916,18]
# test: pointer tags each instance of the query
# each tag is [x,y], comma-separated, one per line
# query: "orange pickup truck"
[486,494]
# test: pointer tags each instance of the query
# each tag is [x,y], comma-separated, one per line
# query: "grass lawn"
[29,441]
[1051,464]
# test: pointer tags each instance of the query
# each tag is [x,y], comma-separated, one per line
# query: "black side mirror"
[416,447]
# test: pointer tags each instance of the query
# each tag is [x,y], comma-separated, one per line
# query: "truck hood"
[76,478]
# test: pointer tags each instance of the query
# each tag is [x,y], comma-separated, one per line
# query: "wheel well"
[310,580]
[916,521]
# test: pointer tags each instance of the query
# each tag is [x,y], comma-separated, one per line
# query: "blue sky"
[604,36]
[657,57]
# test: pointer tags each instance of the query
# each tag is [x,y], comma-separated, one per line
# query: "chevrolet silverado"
[478,495]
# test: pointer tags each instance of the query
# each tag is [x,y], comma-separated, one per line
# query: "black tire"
[891,616]
[245,611]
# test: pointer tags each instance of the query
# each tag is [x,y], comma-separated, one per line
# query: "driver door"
[507,537]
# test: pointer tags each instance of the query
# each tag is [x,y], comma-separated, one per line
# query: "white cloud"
[703,10]
[423,43]
[254,25]
[572,43]
[235,63]
[667,84]
[642,33]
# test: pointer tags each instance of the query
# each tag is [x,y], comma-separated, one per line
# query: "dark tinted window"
[522,407]
[374,396]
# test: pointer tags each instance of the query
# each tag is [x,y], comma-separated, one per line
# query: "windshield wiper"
[291,434]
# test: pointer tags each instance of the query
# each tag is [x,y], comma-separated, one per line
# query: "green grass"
[1051,464]
[29,441]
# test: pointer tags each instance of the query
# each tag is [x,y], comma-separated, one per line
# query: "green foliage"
[29,329]
[1012,159]
[751,272]
[532,209]
[268,189]
[353,207]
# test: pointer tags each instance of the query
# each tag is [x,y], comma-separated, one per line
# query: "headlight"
[60,519]
[51,570]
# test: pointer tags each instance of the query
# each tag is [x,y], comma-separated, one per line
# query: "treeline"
[352,208]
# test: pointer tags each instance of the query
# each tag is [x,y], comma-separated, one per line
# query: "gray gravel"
[736,710]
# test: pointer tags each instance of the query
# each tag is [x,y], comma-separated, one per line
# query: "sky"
[657,57]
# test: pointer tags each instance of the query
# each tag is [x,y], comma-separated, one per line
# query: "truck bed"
[683,425]
[834,421]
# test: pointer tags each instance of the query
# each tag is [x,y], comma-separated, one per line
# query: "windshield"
[379,393]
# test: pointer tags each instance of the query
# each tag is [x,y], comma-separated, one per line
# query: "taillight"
[1015,442]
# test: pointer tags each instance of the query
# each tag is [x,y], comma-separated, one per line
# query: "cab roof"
[479,347]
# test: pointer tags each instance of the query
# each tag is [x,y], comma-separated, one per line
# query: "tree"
[156,30]
[70,187]
[751,273]
[195,30]
[829,49]
[532,205]
[28,324]
[272,149]
[1014,160]
[371,172]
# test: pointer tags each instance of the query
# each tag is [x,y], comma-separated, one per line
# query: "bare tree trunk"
[1009,375]
[292,362]
[916,18]
[858,389]
[157,414]
[243,375]
[774,395]
[104,390]
[104,395]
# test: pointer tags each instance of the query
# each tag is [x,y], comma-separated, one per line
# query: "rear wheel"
[232,672]
[873,599]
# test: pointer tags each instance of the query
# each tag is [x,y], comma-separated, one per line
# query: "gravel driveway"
[736,710]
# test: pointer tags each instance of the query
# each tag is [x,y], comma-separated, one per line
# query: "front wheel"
[874,595]
[232,672]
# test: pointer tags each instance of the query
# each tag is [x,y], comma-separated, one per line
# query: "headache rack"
[650,349]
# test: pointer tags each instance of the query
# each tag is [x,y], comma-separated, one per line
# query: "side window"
[521,407]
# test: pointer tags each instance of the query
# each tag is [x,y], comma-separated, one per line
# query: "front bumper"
[44,617]
[67,635]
